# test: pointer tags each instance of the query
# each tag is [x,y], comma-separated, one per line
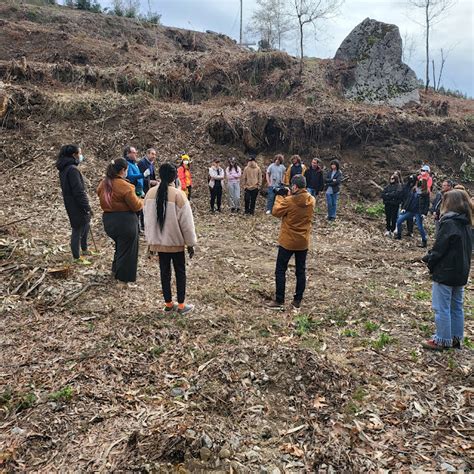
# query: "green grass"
[304,324]
[414,356]
[425,329]
[468,344]
[370,326]
[359,394]
[63,395]
[422,295]
[156,351]
[383,340]
[27,400]
[376,210]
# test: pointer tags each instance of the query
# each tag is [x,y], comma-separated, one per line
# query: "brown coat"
[296,212]
[123,197]
[251,177]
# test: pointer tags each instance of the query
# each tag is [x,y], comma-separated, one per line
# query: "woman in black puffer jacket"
[392,197]
[75,199]
[449,262]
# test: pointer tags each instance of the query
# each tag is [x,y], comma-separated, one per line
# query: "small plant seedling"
[26,401]
[359,394]
[350,333]
[377,210]
[359,208]
[468,344]
[414,356]
[156,351]
[371,327]
[304,324]
[382,341]
[63,395]
[452,364]
[422,295]
[425,329]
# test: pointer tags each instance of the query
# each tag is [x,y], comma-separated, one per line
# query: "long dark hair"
[112,171]
[68,151]
[167,173]
[458,201]
[233,164]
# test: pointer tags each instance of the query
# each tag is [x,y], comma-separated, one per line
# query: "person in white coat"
[216,177]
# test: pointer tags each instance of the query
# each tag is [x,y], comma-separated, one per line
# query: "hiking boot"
[423,244]
[169,309]
[186,309]
[275,305]
[296,304]
[81,261]
[457,343]
[431,345]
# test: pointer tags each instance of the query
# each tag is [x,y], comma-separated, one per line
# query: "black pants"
[190,188]
[280,273]
[79,239]
[216,195]
[122,228]
[250,198]
[391,216]
[179,270]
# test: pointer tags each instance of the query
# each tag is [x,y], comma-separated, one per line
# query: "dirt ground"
[97,378]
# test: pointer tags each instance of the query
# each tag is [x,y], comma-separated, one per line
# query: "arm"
[267,176]
[243,181]
[77,189]
[133,202]
[133,176]
[286,179]
[186,225]
[281,206]
[259,178]
[444,240]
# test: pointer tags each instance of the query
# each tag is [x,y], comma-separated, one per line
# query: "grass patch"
[422,295]
[383,340]
[63,395]
[304,324]
[376,210]
[156,351]
[26,401]
[425,329]
[468,344]
[369,326]
[359,394]
[414,356]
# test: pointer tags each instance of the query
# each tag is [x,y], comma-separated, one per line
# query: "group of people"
[277,176]
[127,195]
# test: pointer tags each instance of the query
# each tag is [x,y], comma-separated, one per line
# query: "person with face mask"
[296,213]
[75,200]
[184,175]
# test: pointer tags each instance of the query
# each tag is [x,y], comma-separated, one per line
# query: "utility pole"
[241,20]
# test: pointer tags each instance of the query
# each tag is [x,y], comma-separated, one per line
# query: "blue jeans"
[405,216]
[270,198]
[447,304]
[331,200]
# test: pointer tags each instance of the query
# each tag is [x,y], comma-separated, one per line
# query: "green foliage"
[350,333]
[414,356]
[26,400]
[63,395]
[359,394]
[422,295]
[156,351]
[468,343]
[371,327]
[359,208]
[383,340]
[376,210]
[304,324]
[6,397]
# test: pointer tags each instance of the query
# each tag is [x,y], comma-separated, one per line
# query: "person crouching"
[296,212]
[169,227]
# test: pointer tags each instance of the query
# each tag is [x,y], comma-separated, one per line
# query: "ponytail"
[113,169]
[167,174]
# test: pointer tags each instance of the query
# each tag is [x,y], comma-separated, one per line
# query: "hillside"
[95,378]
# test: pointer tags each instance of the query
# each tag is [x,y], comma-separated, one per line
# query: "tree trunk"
[427,78]
[434,74]
[301,47]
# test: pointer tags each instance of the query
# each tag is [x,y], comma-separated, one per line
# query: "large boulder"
[373,70]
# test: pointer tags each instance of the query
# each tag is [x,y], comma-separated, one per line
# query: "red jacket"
[184,175]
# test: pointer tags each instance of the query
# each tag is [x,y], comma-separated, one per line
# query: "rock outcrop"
[372,67]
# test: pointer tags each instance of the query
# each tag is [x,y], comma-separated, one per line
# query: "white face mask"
[81,158]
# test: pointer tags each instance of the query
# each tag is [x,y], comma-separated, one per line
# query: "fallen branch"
[14,222]
[26,161]
[79,293]
[38,283]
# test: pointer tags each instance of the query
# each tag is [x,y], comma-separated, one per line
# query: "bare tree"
[310,12]
[434,11]
[408,47]
[270,21]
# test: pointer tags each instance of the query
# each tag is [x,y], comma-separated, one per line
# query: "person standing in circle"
[314,178]
[75,200]
[216,177]
[169,228]
[184,175]
[275,176]
[233,174]
[251,183]
[333,185]
[120,204]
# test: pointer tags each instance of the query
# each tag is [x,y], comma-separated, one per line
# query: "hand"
[191,252]
[153,182]
[146,173]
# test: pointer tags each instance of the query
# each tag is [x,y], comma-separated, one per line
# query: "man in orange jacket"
[296,212]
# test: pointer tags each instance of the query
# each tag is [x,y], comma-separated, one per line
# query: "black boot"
[423,244]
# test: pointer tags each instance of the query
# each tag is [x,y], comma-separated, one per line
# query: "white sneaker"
[387,233]
[268,213]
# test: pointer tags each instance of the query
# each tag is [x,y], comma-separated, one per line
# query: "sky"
[454,33]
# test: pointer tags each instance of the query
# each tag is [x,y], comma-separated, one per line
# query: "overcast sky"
[454,33]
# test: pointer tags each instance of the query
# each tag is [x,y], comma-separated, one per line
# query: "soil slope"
[95,378]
